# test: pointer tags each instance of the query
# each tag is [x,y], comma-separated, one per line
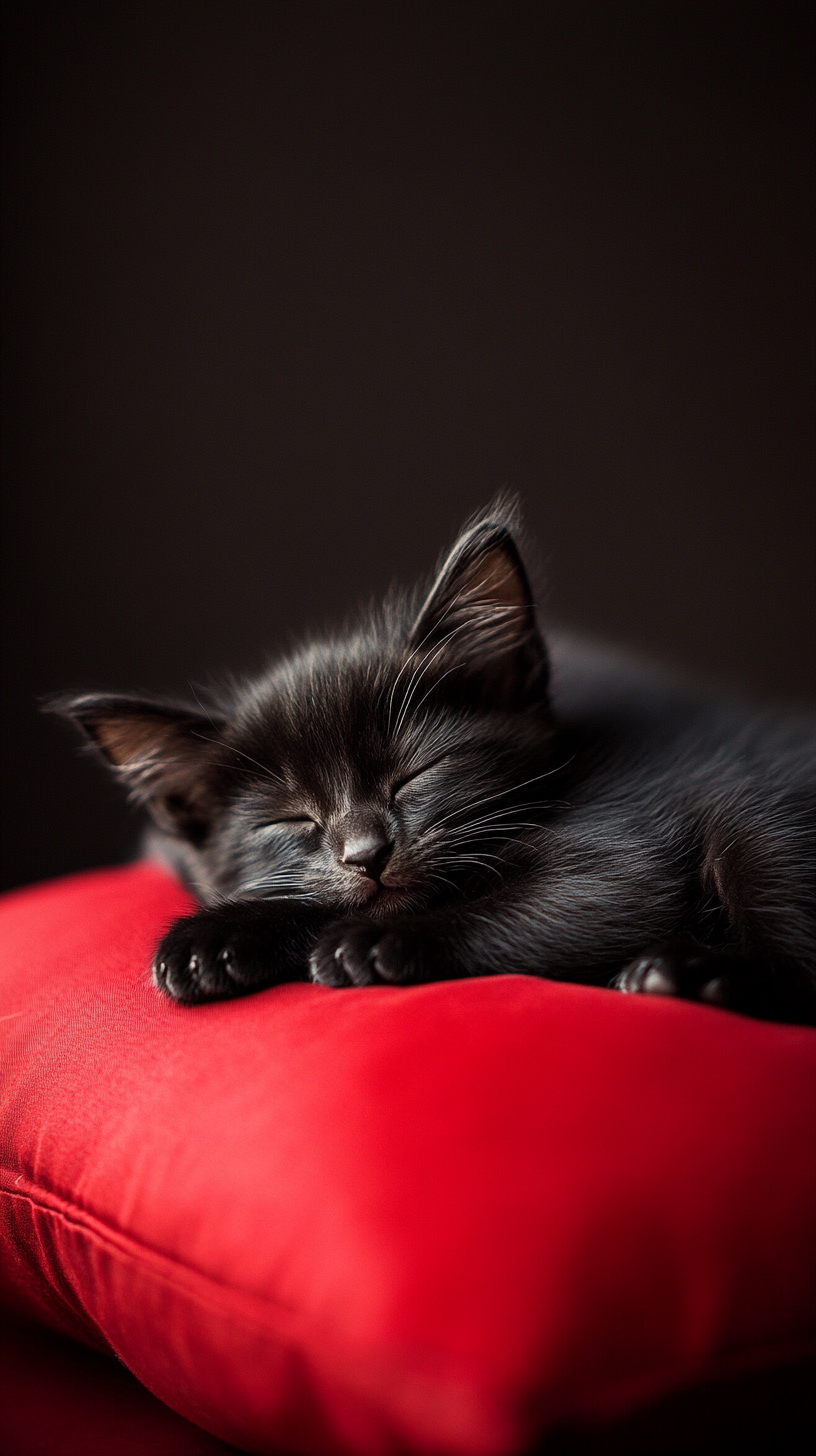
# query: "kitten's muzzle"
[367,854]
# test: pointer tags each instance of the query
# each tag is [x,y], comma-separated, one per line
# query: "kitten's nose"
[368,853]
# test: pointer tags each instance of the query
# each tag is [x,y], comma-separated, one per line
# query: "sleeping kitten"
[434,796]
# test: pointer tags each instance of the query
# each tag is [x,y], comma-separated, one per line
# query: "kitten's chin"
[393,900]
[381,900]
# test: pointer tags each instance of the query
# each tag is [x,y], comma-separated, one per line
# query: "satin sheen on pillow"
[442,1219]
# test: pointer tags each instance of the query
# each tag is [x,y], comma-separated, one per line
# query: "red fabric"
[59,1399]
[438,1219]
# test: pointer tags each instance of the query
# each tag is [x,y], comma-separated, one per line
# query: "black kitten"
[415,801]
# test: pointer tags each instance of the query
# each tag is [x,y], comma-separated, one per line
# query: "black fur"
[415,800]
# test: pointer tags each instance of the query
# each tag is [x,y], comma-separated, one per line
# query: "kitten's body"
[411,802]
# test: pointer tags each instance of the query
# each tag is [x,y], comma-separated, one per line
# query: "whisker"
[474,859]
[230,747]
[484,855]
[504,831]
[457,667]
[202,706]
[464,591]
[418,648]
[421,670]
[435,875]
[504,792]
[491,614]
[293,885]
[276,892]
[500,815]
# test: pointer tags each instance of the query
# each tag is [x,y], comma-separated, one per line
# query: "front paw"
[199,959]
[232,950]
[359,953]
[187,964]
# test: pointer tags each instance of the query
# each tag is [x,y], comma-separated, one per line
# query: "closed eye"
[293,820]
[417,773]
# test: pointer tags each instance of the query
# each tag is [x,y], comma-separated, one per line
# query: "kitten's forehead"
[319,716]
[337,726]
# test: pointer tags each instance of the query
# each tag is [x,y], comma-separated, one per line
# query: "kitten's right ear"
[164,753]
[479,618]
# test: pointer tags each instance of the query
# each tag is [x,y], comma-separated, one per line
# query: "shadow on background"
[292,288]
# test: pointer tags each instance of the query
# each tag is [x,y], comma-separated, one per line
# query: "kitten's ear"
[478,620]
[165,754]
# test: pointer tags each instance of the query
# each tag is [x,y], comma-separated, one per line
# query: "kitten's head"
[378,771]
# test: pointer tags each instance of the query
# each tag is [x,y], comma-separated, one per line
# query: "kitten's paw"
[651,975]
[695,975]
[204,958]
[751,985]
[357,953]
[344,955]
[232,950]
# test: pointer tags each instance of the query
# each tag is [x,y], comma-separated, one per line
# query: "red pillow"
[437,1219]
[59,1399]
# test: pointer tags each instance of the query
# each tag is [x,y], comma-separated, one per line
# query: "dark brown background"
[291,289]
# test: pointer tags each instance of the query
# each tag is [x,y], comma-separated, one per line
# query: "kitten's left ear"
[478,622]
[164,753]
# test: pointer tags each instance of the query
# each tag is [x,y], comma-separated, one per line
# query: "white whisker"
[418,648]
[422,669]
[473,859]
[503,793]
[230,747]
[493,611]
